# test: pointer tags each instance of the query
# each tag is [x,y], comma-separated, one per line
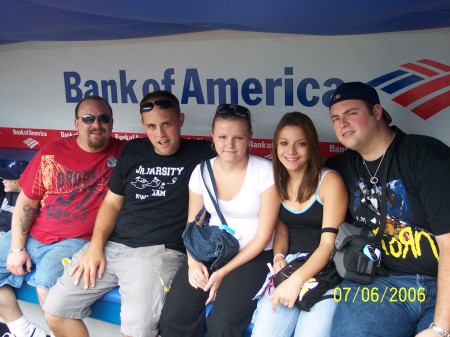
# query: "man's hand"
[90,265]
[19,263]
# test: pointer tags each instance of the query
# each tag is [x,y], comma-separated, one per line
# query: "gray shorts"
[140,273]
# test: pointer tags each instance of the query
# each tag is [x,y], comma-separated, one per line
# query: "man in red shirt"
[63,187]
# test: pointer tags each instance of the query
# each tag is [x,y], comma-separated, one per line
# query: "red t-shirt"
[70,184]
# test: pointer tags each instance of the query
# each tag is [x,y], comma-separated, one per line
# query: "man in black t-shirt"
[413,298]
[137,242]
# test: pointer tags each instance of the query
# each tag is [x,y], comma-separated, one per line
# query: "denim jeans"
[286,322]
[397,305]
[47,259]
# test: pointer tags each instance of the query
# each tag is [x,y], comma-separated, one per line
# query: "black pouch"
[357,256]
[314,289]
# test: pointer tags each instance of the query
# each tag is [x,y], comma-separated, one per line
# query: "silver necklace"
[373,178]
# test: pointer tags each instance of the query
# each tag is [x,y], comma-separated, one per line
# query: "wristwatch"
[439,330]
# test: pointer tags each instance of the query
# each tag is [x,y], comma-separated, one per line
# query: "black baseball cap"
[358,90]
[13,171]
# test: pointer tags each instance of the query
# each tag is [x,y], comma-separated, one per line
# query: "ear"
[181,119]
[378,112]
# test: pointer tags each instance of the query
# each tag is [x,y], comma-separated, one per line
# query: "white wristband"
[16,250]
[277,256]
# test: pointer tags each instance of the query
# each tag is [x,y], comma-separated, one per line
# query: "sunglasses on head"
[238,110]
[89,119]
[161,104]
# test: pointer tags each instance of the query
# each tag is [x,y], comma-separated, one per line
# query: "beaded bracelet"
[439,330]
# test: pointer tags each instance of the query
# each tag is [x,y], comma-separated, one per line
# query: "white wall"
[32,88]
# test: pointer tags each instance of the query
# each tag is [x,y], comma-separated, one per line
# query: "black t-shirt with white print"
[417,207]
[155,190]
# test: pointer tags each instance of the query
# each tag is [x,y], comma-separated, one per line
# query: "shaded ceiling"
[84,20]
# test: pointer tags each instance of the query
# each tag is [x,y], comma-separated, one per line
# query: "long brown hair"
[310,179]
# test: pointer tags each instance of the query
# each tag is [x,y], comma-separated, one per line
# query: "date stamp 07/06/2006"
[375,295]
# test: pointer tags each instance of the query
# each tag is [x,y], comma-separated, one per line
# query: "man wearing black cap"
[416,242]
[10,175]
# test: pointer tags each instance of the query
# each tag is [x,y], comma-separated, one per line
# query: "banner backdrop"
[271,74]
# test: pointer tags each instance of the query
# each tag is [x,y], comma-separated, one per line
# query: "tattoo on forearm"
[27,220]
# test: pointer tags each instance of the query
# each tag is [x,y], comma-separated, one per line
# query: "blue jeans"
[286,322]
[397,305]
[47,259]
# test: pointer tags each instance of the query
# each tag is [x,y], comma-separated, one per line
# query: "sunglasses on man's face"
[89,119]
[161,104]
[238,110]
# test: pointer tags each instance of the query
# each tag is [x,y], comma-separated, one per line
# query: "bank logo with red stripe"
[422,86]
[30,142]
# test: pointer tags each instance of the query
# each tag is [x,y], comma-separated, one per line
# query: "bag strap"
[199,216]
[388,158]
[213,197]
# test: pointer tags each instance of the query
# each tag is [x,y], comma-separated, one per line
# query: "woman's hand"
[279,264]
[286,293]
[198,274]
[213,285]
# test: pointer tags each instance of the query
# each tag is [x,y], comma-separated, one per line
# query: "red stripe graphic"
[435,64]
[15,138]
[422,90]
[419,69]
[432,106]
